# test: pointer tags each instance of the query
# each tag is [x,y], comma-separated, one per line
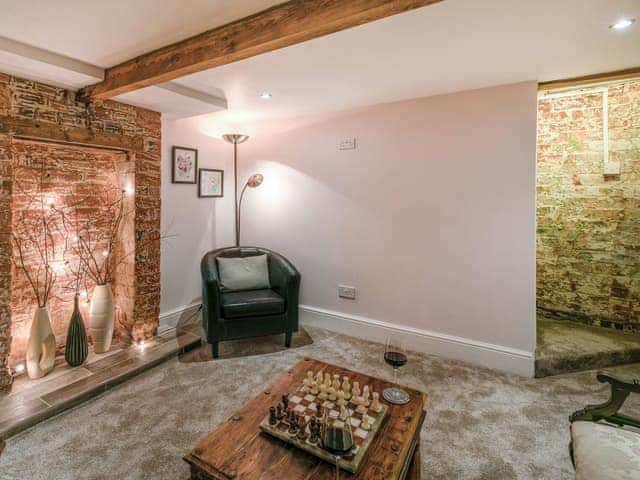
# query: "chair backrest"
[209,266]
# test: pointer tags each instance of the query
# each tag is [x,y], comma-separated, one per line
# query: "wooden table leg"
[414,467]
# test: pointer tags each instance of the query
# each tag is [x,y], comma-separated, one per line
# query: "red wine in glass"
[337,441]
[395,356]
[395,359]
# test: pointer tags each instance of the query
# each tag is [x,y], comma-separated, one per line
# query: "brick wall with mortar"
[36,102]
[588,224]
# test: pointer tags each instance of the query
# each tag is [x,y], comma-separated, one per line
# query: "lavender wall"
[431,217]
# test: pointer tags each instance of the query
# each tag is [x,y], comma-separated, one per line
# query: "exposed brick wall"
[72,173]
[138,297]
[588,242]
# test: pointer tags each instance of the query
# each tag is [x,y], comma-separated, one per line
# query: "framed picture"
[210,182]
[184,166]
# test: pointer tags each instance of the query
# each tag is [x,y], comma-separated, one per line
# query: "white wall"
[193,225]
[431,218]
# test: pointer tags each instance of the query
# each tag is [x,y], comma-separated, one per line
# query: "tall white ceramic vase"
[41,346]
[101,317]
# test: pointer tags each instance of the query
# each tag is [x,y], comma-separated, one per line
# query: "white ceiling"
[454,45]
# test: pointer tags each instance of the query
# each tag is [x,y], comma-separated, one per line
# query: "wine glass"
[395,355]
[338,441]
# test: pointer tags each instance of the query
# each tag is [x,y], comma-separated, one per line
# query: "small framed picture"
[210,183]
[184,166]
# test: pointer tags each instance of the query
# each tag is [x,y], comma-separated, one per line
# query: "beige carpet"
[480,424]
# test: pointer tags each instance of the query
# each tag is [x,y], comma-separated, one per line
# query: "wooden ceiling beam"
[280,26]
[616,76]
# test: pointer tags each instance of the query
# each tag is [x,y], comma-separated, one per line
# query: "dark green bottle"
[77,348]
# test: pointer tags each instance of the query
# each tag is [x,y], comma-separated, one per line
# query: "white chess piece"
[361,408]
[327,380]
[343,413]
[314,387]
[340,395]
[323,392]
[376,406]
[365,395]
[355,390]
[366,422]
[332,393]
[336,382]
[346,388]
[319,378]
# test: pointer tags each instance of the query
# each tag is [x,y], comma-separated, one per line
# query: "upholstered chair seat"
[605,452]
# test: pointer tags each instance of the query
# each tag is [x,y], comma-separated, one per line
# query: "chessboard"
[306,404]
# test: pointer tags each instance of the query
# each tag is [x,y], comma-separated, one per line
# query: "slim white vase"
[41,346]
[101,316]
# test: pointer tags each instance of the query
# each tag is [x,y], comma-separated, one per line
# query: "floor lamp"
[254,181]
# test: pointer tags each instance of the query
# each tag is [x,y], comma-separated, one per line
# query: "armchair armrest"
[211,310]
[285,280]
[620,390]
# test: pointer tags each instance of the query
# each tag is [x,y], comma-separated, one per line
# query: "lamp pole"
[235,138]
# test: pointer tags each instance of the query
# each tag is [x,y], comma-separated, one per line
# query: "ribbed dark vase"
[77,348]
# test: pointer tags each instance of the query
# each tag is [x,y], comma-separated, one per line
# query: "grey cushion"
[603,452]
[243,273]
[251,303]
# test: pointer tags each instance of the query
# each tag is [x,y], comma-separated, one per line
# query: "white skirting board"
[170,318]
[484,354]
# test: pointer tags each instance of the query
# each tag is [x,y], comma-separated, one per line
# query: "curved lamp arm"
[254,181]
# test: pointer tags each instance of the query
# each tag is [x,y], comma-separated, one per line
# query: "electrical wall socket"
[348,144]
[346,291]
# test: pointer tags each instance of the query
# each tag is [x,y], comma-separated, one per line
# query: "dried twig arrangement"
[39,249]
[91,237]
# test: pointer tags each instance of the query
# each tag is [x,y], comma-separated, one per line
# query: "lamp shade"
[235,138]
[255,180]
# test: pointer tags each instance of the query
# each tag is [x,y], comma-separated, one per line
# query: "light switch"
[348,144]
[346,291]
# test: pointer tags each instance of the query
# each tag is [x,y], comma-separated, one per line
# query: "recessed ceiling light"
[622,24]
[265,95]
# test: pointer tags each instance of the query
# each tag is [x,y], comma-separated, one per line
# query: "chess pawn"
[332,394]
[361,408]
[302,429]
[346,388]
[376,406]
[336,382]
[366,422]
[319,378]
[327,380]
[340,396]
[323,392]
[343,413]
[365,395]
[355,390]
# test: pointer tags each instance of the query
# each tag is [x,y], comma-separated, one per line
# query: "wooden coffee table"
[239,450]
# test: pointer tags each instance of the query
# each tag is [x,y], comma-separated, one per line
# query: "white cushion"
[605,452]
[243,273]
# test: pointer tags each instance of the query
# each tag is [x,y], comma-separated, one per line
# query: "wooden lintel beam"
[618,75]
[47,132]
[280,26]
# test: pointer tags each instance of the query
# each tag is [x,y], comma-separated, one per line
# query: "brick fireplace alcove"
[83,148]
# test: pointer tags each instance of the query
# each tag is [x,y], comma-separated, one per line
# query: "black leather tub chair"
[231,315]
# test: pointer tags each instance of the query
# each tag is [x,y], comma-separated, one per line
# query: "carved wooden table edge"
[410,464]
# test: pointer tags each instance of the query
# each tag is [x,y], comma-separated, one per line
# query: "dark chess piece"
[273,418]
[279,412]
[314,428]
[302,429]
[285,402]
[293,423]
